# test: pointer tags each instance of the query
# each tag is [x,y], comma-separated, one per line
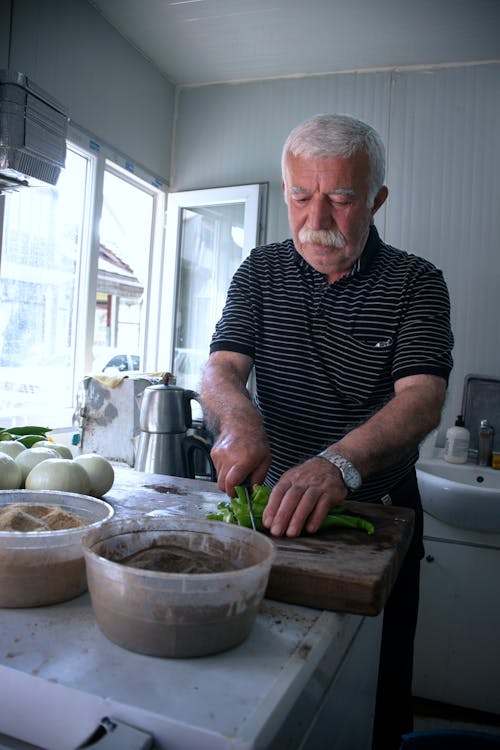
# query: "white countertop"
[59,676]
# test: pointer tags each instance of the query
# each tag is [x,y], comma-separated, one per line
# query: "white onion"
[28,459]
[62,474]
[62,450]
[101,473]
[10,474]
[11,448]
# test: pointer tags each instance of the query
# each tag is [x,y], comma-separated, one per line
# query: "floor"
[430,715]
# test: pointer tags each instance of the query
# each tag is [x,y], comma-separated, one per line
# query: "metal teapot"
[164,446]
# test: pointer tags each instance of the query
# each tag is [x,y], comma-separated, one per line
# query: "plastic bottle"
[456,448]
[485,443]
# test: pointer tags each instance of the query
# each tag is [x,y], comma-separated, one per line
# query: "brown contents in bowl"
[175,559]
[38,517]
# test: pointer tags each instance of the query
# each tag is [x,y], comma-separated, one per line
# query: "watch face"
[351,477]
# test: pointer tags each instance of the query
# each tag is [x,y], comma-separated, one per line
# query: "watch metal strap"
[345,467]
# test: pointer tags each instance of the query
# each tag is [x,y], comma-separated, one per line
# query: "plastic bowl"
[38,568]
[176,614]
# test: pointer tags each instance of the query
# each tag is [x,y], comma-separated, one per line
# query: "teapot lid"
[168,382]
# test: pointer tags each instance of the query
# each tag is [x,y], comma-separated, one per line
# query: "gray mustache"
[327,237]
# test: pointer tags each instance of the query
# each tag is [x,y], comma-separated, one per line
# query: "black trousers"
[394,710]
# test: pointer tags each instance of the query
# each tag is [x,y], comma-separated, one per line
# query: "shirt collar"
[373,244]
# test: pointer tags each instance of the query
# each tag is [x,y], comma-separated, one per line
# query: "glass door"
[209,232]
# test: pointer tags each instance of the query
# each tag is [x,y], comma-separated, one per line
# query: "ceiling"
[195,42]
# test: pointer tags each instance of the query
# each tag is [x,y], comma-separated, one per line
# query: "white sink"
[464,495]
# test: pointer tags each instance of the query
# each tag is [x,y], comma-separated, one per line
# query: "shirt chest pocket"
[362,370]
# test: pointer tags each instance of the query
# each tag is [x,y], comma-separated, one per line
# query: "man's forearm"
[224,396]
[397,429]
[240,449]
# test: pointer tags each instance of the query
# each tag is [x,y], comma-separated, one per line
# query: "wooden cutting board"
[343,570]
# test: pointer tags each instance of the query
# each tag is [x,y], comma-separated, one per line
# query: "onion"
[28,459]
[11,448]
[62,474]
[10,474]
[62,450]
[101,473]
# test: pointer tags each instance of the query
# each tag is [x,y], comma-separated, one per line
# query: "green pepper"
[30,440]
[236,511]
[225,514]
[27,430]
[347,521]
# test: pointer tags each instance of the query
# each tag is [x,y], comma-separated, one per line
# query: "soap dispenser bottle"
[485,443]
[456,448]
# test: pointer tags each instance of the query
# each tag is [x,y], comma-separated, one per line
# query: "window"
[123,271]
[211,231]
[75,269]
[41,254]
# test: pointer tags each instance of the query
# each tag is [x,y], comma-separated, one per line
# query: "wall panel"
[233,134]
[109,89]
[440,126]
[443,174]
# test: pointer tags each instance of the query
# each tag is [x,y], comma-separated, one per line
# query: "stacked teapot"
[164,445]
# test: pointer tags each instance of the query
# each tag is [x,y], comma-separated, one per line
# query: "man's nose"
[320,215]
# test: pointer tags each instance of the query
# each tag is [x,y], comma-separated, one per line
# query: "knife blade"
[247,485]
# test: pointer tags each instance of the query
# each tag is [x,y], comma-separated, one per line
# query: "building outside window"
[75,271]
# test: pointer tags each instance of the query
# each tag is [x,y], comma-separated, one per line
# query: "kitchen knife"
[247,486]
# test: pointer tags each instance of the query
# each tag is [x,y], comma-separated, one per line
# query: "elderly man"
[351,345]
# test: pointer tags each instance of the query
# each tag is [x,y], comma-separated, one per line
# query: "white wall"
[444,166]
[441,129]
[108,88]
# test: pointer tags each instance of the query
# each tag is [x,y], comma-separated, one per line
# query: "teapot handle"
[191,444]
[188,414]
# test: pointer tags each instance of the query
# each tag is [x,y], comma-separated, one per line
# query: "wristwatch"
[350,475]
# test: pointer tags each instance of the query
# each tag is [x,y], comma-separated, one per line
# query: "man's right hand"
[241,448]
[240,453]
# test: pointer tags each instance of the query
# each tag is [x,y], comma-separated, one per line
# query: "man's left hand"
[302,498]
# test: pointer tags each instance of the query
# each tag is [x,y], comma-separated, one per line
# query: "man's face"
[328,210]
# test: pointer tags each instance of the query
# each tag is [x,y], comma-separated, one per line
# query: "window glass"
[124,255]
[211,251]
[75,289]
[208,233]
[39,274]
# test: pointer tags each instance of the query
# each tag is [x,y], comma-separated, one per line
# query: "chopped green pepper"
[236,511]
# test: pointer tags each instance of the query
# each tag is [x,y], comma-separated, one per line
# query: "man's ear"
[283,190]
[380,199]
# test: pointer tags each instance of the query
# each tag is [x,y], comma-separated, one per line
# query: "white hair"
[338,135]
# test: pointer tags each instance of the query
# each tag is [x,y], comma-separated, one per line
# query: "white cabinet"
[457,649]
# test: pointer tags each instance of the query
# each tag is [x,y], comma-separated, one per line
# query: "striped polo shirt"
[326,356]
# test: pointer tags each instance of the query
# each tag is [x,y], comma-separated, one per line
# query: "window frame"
[103,158]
